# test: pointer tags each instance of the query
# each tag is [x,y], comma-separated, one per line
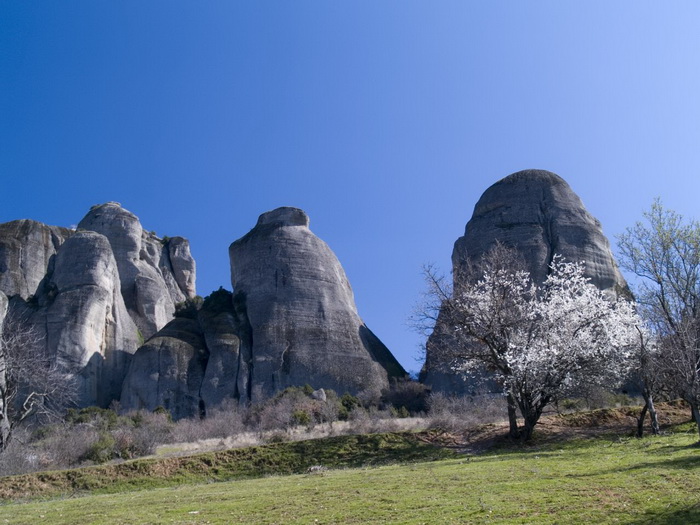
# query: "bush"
[411,396]
[102,449]
[189,307]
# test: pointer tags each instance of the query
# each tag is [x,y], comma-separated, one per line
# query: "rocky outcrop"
[156,274]
[291,320]
[26,249]
[299,312]
[3,310]
[192,364]
[536,213]
[82,314]
[93,295]
[168,371]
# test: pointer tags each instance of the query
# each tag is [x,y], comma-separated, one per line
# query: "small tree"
[664,252]
[646,370]
[32,383]
[537,341]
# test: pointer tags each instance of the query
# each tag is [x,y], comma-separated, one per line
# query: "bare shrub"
[66,446]
[460,412]
[18,457]
[149,430]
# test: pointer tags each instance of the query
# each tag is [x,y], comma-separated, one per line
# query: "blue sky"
[385,121]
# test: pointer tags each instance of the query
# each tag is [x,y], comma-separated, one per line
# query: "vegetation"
[33,384]
[251,462]
[536,342]
[602,480]
[664,251]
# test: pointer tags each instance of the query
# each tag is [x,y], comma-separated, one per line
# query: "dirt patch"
[559,427]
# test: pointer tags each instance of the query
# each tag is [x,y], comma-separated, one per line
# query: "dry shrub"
[18,457]
[459,412]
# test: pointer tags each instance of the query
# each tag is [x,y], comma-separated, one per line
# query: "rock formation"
[81,289]
[304,325]
[168,371]
[155,274]
[538,214]
[86,323]
[26,248]
[192,364]
[291,320]
[95,294]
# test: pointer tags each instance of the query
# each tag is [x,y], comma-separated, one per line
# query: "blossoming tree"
[536,341]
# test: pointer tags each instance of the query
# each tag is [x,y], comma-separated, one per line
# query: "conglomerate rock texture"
[536,213]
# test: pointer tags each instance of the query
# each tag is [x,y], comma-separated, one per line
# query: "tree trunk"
[642,416]
[652,415]
[528,427]
[531,415]
[513,432]
[696,415]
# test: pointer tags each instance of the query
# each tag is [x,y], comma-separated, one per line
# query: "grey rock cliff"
[94,294]
[291,320]
[168,371]
[537,213]
[26,249]
[86,324]
[299,312]
[3,310]
[192,364]
[155,274]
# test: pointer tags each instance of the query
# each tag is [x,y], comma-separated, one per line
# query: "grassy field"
[603,480]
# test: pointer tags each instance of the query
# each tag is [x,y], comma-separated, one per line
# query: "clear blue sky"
[385,121]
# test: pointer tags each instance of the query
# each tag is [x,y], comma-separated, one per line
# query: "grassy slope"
[654,480]
[278,459]
[603,480]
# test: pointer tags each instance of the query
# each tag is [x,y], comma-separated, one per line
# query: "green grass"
[241,463]
[621,480]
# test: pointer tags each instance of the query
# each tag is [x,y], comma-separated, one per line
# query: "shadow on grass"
[678,516]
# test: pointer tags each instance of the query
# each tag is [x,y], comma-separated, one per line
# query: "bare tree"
[32,383]
[646,370]
[664,251]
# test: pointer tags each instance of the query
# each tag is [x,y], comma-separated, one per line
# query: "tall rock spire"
[303,325]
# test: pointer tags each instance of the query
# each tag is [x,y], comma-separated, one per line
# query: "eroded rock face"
[299,312]
[86,324]
[537,213]
[192,364]
[94,294]
[168,371]
[155,275]
[26,249]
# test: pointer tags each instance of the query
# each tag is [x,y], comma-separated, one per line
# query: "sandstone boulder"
[536,213]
